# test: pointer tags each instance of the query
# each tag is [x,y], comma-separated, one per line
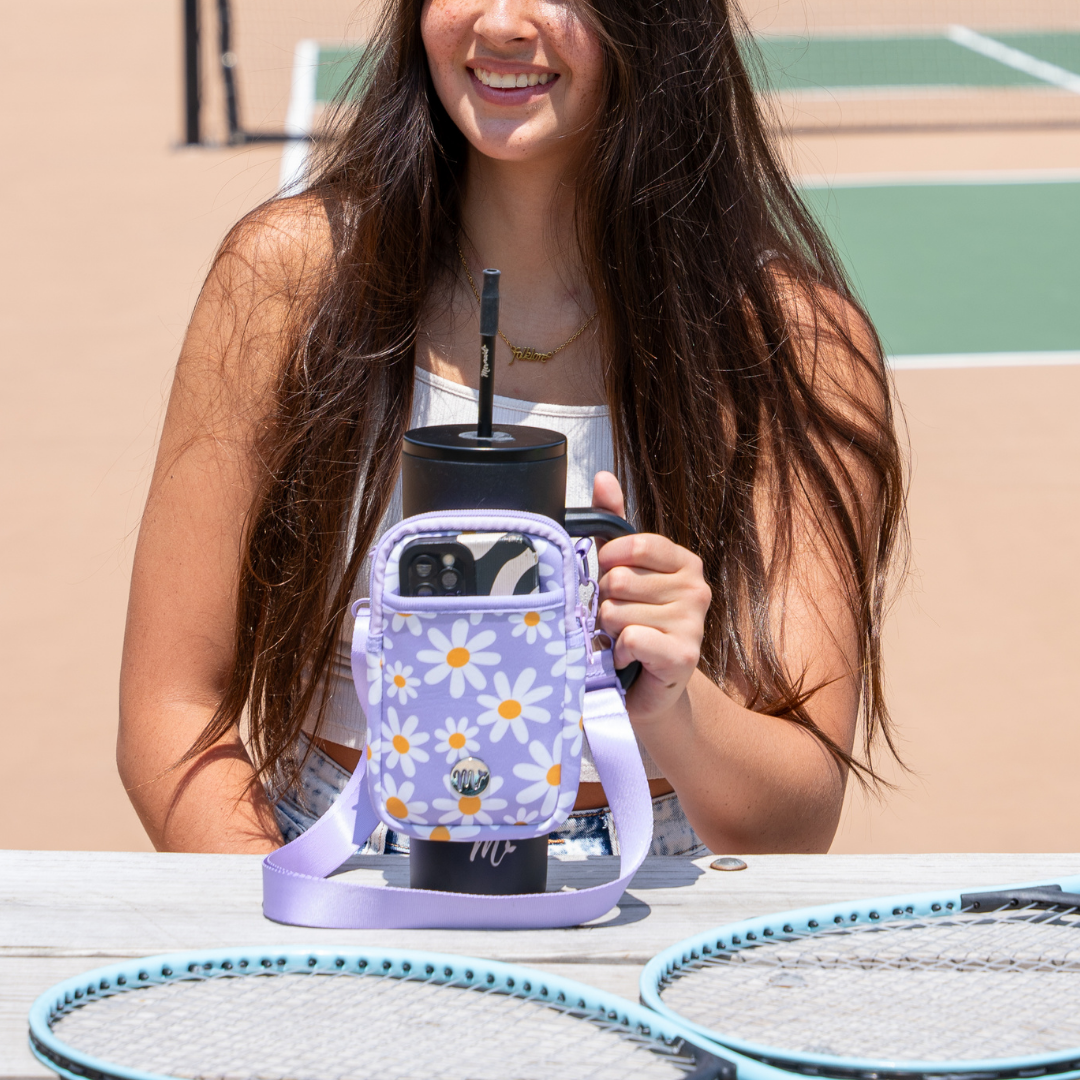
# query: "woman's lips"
[510,95]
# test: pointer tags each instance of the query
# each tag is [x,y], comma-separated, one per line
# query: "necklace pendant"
[527,354]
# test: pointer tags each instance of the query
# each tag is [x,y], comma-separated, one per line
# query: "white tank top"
[436,400]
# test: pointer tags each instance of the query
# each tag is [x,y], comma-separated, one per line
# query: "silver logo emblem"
[469,776]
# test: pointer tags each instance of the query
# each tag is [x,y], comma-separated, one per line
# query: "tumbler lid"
[509,443]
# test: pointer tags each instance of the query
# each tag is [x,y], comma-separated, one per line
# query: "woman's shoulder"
[284,244]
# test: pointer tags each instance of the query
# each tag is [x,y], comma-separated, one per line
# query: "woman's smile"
[514,87]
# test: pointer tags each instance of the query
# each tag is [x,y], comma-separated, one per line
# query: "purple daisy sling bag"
[514,678]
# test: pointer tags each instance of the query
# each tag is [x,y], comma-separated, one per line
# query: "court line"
[1014,58]
[983,360]
[972,177]
[301,115]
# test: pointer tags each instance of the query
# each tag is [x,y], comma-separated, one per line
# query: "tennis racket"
[985,983]
[385,1014]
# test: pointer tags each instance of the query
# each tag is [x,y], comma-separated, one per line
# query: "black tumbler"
[451,467]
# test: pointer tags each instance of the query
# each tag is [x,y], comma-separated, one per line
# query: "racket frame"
[432,967]
[804,922]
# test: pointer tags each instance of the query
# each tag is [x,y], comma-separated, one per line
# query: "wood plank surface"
[62,913]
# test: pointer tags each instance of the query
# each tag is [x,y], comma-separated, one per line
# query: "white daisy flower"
[399,682]
[469,809]
[521,816]
[402,743]
[532,623]
[456,739]
[450,832]
[398,801]
[374,678]
[573,721]
[409,619]
[458,657]
[547,776]
[372,753]
[513,706]
[568,661]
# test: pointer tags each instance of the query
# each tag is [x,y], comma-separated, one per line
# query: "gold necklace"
[518,352]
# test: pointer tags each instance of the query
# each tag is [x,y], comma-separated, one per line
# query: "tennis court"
[950,182]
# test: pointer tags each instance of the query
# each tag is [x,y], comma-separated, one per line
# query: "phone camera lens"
[424,590]
[450,580]
[424,566]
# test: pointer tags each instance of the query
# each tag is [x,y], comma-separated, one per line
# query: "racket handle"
[1042,896]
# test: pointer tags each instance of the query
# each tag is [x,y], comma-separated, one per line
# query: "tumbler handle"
[587,521]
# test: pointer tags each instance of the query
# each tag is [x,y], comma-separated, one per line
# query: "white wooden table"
[65,912]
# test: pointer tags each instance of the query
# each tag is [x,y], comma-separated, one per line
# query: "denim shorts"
[585,832]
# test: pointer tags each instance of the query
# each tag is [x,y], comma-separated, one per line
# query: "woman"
[609,157]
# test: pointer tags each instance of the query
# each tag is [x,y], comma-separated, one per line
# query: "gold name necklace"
[518,352]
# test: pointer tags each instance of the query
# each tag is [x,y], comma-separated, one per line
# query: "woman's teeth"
[505,82]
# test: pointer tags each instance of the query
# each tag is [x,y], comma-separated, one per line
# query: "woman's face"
[520,78]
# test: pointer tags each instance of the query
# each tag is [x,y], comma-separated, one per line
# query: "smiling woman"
[606,155]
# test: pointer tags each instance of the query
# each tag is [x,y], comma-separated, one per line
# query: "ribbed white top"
[437,400]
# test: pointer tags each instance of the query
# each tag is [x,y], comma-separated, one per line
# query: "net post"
[192,74]
[228,71]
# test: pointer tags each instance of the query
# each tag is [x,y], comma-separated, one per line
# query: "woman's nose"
[506,22]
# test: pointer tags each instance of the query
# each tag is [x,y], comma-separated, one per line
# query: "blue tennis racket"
[284,1014]
[980,984]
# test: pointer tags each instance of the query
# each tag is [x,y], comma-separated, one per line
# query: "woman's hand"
[653,599]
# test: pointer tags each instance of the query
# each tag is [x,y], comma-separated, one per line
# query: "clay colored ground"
[110,229]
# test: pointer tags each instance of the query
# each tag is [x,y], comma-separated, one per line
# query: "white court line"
[944,178]
[301,116]
[1014,58]
[983,360]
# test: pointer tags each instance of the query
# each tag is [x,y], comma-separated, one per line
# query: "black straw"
[489,329]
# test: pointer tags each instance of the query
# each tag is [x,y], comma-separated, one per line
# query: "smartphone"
[470,564]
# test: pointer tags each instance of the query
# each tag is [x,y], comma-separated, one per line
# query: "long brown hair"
[747,391]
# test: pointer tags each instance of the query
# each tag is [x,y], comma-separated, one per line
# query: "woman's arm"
[749,782]
[178,647]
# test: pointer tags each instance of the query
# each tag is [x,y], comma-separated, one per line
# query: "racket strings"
[345,1026]
[953,988]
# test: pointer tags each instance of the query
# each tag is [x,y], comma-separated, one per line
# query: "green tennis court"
[804,63]
[951,268]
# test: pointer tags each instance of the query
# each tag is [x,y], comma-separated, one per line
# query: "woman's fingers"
[648,551]
[607,494]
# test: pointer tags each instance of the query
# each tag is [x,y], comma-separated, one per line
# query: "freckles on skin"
[541,34]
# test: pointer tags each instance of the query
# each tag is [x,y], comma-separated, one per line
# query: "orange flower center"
[457,740]
[368,750]
[399,681]
[531,618]
[469,804]
[554,775]
[401,744]
[457,657]
[396,808]
[510,709]
[440,832]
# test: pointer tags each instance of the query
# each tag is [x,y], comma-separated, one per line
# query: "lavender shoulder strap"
[297,890]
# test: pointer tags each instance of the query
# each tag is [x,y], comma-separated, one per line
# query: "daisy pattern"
[568,661]
[398,801]
[457,656]
[456,739]
[521,816]
[469,809]
[513,706]
[399,682]
[402,743]
[374,678]
[573,721]
[409,619]
[449,832]
[531,624]
[547,776]
[372,753]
